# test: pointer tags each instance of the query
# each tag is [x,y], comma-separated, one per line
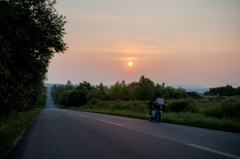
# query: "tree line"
[144,89]
[31,31]
[227,90]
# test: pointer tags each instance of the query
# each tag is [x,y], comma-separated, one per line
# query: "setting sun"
[130,63]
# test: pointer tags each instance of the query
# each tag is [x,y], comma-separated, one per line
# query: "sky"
[178,42]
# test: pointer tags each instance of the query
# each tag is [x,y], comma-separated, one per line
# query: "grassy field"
[205,113]
[11,127]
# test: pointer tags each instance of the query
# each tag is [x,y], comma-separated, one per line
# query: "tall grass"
[229,110]
[200,120]
[182,106]
[11,127]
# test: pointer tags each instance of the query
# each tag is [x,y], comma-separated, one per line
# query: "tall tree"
[146,88]
[31,31]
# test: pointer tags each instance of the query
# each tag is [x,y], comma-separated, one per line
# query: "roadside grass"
[200,120]
[208,104]
[12,126]
[219,115]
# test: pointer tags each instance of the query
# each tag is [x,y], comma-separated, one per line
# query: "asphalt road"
[67,134]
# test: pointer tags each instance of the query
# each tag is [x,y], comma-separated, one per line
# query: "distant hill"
[50,84]
[189,88]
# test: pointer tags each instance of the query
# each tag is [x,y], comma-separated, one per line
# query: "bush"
[225,110]
[63,98]
[93,102]
[102,105]
[191,107]
[72,98]
[177,106]
[230,110]
[139,106]
[79,98]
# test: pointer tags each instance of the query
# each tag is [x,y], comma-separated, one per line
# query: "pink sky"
[177,42]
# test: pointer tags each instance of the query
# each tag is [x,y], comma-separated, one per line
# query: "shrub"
[93,101]
[177,106]
[78,98]
[139,106]
[12,125]
[191,107]
[116,106]
[230,109]
[225,110]
[72,98]
[103,104]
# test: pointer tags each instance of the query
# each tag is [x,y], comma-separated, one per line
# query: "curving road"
[67,134]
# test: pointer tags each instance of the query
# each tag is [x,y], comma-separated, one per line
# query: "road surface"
[67,134]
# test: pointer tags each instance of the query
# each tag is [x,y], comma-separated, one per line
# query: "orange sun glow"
[130,63]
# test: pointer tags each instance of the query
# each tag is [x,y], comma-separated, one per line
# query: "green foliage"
[12,125]
[227,90]
[194,95]
[133,90]
[206,104]
[229,110]
[172,93]
[200,120]
[98,92]
[160,90]
[30,33]
[69,95]
[180,106]
[78,98]
[42,97]
[93,101]
[72,98]
[145,89]
[69,85]
[57,91]
[191,107]
[102,90]
[84,87]
[116,91]
[65,98]
[94,94]
[118,105]
[201,112]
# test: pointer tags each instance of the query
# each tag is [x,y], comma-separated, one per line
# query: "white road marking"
[111,122]
[189,144]
[193,145]
[215,151]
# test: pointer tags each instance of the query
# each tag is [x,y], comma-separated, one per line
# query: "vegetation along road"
[59,133]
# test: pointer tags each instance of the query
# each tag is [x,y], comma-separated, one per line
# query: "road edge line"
[214,151]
